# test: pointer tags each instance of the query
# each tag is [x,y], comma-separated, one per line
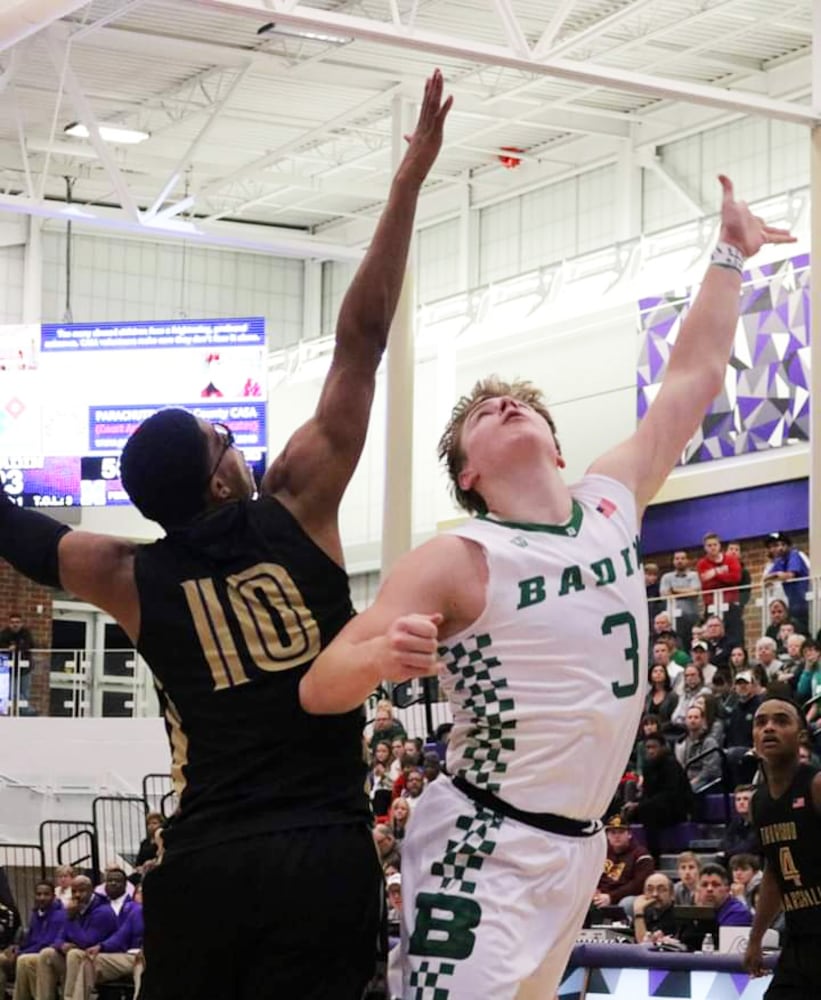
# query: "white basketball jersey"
[547,686]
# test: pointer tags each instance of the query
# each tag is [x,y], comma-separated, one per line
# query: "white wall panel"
[499,238]
[121,279]
[11,284]
[438,264]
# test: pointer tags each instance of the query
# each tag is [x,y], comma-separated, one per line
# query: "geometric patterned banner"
[765,402]
[648,984]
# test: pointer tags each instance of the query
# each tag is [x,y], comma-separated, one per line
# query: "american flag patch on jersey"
[606,507]
[798,803]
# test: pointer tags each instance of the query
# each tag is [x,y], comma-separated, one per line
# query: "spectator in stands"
[626,868]
[738,728]
[386,846]
[746,873]
[682,586]
[63,874]
[700,652]
[766,656]
[398,817]
[791,569]
[720,574]
[660,700]
[739,659]
[721,689]
[718,644]
[712,709]
[653,910]
[414,786]
[431,768]
[115,890]
[700,773]
[714,890]
[792,664]
[809,683]
[393,885]
[378,778]
[91,921]
[693,687]
[398,749]
[779,615]
[650,725]
[148,846]
[17,641]
[772,588]
[385,726]
[116,957]
[688,868]
[665,794]
[663,632]
[740,836]
[410,762]
[45,927]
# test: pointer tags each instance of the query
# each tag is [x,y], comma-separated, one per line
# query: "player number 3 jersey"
[547,686]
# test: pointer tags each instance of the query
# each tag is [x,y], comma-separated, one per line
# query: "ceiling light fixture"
[310,36]
[109,133]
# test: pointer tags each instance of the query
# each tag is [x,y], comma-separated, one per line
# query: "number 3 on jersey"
[278,630]
[631,652]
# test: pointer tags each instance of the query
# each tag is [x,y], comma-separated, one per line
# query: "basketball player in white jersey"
[536,612]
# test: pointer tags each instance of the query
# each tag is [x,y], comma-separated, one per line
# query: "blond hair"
[450,448]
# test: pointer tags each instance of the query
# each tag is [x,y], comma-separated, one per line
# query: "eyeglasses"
[227,436]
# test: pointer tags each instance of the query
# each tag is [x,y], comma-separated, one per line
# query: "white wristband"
[726,255]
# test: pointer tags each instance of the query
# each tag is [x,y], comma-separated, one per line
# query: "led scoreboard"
[71,394]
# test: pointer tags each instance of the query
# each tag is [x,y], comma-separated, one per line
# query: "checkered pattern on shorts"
[424,981]
[482,695]
[466,852]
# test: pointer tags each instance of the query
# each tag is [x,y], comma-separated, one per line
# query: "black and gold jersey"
[790,831]
[234,609]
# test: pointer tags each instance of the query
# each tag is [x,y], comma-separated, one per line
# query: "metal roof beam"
[256,239]
[21,18]
[311,19]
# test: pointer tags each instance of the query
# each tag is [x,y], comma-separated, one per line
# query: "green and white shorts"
[491,906]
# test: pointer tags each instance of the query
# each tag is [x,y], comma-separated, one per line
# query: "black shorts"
[293,915]
[797,975]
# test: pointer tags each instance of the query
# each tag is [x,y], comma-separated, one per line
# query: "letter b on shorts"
[447,933]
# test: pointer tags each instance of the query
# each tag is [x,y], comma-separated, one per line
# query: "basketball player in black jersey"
[270,888]
[786,812]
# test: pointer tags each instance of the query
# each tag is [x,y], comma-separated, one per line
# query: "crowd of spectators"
[77,935]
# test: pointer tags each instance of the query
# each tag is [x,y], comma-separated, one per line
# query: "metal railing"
[70,842]
[24,867]
[745,611]
[159,794]
[119,824]
[74,683]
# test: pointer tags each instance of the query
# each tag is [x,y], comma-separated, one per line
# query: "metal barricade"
[159,794]
[24,868]
[70,842]
[119,824]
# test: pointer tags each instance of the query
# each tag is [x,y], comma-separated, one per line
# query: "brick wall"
[34,604]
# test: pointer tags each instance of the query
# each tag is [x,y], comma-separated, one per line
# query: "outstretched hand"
[426,141]
[741,228]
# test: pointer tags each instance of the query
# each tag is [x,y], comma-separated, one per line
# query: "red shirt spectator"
[718,570]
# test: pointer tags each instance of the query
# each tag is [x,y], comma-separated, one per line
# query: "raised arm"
[96,568]
[697,366]
[397,637]
[313,470]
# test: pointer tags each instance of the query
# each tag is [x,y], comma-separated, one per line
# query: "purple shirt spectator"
[129,935]
[733,913]
[97,922]
[45,927]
